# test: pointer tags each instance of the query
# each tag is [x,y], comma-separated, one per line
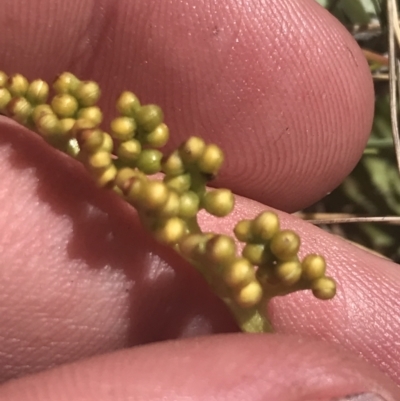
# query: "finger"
[219,368]
[79,276]
[280,85]
[363,317]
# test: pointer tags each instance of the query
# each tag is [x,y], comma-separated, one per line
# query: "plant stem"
[250,320]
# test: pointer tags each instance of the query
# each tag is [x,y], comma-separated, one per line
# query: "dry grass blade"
[394,30]
[373,56]
[381,77]
[365,209]
[344,218]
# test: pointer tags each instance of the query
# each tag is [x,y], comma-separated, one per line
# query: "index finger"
[280,85]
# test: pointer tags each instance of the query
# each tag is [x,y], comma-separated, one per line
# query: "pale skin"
[284,90]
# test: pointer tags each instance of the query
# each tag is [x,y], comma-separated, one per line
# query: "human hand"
[281,87]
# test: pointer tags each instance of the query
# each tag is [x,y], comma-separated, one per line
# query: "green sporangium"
[125,161]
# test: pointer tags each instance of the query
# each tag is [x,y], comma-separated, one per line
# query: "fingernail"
[361,397]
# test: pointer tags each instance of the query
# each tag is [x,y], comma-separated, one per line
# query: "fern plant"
[128,160]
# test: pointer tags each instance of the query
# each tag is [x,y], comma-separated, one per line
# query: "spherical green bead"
[17,85]
[134,189]
[158,137]
[66,83]
[219,202]
[173,165]
[128,104]
[123,176]
[211,160]
[192,149]
[238,273]
[221,249]
[48,125]
[148,117]
[99,160]
[79,132]
[188,205]
[314,266]
[155,195]
[83,124]
[123,128]
[5,98]
[92,113]
[19,109]
[171,207]
[108,144]
[64,105]
[180,183]
[285,245]
[67,125]
[129,151]
[242,231]
[90,139]
[249,296]
[288,273]
[149,161]
[87,93]
[3,79]
[324,288]
[41,110]
[38,92]
[171,231]
[265,226]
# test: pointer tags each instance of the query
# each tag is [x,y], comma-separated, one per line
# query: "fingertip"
[307,127]
[281,86]
[229,367]
[362,317]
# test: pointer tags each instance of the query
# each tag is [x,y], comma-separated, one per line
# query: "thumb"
[224,367]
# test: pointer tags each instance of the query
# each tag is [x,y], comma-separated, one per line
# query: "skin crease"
[81,278]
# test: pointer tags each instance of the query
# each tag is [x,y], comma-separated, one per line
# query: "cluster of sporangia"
[123,160]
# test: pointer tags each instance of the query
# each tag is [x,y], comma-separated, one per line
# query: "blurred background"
[372,191]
